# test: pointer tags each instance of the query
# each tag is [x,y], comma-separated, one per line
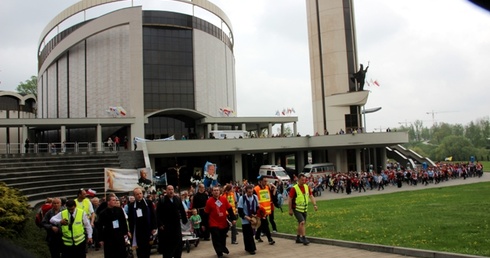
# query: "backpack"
[39,218]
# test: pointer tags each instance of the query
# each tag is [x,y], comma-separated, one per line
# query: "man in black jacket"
[199,202]
[142,223]
[113,229]
[170,212]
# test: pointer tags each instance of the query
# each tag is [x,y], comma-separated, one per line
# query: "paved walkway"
[393,189]
[286,247]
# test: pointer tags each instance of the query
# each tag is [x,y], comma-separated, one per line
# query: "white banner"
[126,180]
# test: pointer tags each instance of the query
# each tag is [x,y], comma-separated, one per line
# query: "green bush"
[14,211]
[17,222]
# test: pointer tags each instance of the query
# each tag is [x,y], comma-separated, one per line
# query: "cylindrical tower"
[333,60]
[144,56]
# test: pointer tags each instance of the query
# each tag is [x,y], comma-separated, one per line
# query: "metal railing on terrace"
[58,147]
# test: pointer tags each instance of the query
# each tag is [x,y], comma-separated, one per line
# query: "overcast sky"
[428,56]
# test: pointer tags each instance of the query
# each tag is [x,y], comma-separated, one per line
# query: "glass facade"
[9,103]
[168,68]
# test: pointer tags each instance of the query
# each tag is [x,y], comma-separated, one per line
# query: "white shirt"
[56,219]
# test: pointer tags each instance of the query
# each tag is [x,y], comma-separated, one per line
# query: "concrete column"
[206,136]
[237,168]
[295,129]
[375,160]
[63,133]
[383,157]
[152,163]
[215,127]
[99,137]
[25,135]
[282,129]
[358,159]
[269,129]
[338,161]
[244,127]
[299,159]
[272,158]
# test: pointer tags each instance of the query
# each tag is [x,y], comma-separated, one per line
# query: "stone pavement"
[286,247]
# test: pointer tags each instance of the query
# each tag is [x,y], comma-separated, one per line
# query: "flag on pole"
[375,82]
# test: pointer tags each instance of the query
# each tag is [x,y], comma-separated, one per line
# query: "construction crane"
[436,112]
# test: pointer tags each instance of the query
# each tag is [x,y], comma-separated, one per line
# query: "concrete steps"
[59,175]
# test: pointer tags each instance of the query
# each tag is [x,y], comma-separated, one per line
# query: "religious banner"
[126,180]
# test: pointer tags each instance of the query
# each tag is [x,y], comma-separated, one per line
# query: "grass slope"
[450,219]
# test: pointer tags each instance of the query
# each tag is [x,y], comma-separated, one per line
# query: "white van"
[274,173]
[230,134]
[318,169]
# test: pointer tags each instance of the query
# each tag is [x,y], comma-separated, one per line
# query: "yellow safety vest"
[231,199]
[301,200]
[76,235]
[264,199]
[84,205]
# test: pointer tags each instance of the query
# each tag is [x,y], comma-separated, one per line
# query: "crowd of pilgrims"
[195,197]
[393,175]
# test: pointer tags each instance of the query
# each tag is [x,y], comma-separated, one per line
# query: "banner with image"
[125,180]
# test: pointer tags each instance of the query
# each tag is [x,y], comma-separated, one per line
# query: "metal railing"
[57,147]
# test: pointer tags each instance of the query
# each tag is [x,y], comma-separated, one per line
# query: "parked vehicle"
[319,169]
[274,173]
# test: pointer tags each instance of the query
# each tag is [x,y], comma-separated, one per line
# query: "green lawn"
[450,219]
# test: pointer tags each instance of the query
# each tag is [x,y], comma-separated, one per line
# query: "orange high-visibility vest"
[265,200]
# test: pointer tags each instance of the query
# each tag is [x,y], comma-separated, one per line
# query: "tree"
[459,147]
[478,132]
[28,87]
[439,132]
[458,130]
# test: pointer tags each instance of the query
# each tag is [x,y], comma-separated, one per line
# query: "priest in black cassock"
[113,227]
[170,212]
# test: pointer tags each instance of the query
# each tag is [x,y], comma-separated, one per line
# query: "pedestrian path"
[326,195]
[286,247]
[283,248]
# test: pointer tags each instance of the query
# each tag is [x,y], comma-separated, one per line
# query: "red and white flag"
[375,82]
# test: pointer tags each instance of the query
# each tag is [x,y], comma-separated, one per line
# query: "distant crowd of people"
[393,175]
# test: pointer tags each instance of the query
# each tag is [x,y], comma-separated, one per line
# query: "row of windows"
[168,97]
[169,87]
[180,44]
[174,33]
[159,58]
[9,103]
[160,72]
[153,18]
[151,106]
[159,17]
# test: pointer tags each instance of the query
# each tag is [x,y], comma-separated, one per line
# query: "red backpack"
[39,218]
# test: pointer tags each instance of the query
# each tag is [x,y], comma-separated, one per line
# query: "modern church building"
[154,69]
[163,62]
